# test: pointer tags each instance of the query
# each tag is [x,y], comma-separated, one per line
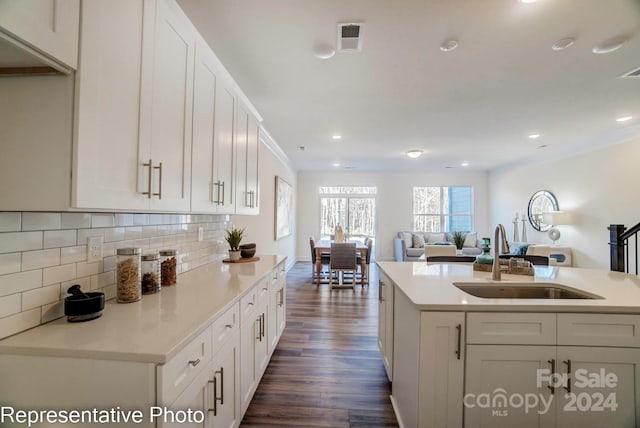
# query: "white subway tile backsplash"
[40,259]
[124,220]
[74,254]
[10,305]
[18,282]
[10,263]
[12,242]
[19,322]
[75,220]
[52,312]
[102,220]
[38,266]
[40,221]
[10,222]
[59,238]
[60,273]
[40,296]
[86,269]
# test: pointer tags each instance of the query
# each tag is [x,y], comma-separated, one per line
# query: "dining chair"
[342,259]
[369,243]
[324,259]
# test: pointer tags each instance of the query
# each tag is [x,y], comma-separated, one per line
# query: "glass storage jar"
[150,273]
[128,275]
[168,264]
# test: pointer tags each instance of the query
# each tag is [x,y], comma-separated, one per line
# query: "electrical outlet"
[94,249]
[200,233]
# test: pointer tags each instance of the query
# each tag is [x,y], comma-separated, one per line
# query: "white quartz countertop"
[154,328]
[430,287]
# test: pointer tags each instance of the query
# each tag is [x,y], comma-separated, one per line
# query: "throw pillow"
[435,237]
[471,240]
[418,240]
[406,237]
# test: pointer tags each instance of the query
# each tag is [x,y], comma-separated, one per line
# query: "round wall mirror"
[542,201]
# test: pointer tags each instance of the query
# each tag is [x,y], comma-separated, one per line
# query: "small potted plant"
[233,237]
[458,240]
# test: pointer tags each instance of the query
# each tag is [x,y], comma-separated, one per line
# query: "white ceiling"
[477,104]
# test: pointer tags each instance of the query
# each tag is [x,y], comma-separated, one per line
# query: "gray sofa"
[404,250]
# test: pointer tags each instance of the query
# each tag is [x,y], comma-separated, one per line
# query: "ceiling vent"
[350,37]
[632,74]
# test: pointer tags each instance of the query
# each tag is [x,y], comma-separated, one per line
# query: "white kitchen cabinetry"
[166,108]
[277,308]
[196,397]
[509,368]
[105,155]
[47,28]
[385,323]
[224,149]
[225,410]
[247,144]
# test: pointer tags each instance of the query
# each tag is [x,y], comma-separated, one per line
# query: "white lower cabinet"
[385,323]
[224,409]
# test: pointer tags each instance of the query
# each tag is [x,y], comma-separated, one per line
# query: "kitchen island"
[184,348]
[455,359]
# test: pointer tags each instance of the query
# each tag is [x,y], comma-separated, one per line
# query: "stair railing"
[619,247]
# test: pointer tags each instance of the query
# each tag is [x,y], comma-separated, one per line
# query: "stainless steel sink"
[522,290]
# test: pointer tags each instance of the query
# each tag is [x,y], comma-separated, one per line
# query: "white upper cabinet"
[223,149]
[164,159]
[247,142]
[43,27]
[108,106]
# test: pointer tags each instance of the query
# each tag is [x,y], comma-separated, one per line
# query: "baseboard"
[395,411]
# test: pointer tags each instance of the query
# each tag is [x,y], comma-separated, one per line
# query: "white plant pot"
[234,256]
[458,252]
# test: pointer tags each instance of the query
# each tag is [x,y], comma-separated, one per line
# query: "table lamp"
[555,218]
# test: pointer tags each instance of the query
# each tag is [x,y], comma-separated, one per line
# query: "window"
[352,207]
[443,209]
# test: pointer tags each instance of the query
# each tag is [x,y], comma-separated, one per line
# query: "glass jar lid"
[129,251]
[168,252]
[150,257]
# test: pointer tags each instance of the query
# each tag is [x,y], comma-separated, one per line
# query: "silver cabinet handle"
[219,185]
[223,192]
[262,325]
[214,381]
[568,387]
[459,347]
[553,370]
[281,297]
[259,321]
[150,165]
[159,167]
[194,362]
[221,371]
[229,325]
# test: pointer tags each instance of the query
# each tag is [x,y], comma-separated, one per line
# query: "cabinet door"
[281,311]
[203,190]
[223,150]
[595,404]
[253,159]
[51,26]
[242,194]
[383,284]
[249,336]
[225,411]
[388,326]
[106,156]
[194,398]
[272,327]
[262,342]
[441,369]
[507,371]
[166,131]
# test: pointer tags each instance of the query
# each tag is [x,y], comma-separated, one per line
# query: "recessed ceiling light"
[336,164]
[562,44]
[323,51]
[336,137]
[464,164]
[449,45]
[414,154]
[623,119]
[534,136]
[609,45]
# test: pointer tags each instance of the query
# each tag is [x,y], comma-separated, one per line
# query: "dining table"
[324,246]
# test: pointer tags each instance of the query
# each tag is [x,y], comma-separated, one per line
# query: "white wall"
[394,201]
[599,188]
[260,228]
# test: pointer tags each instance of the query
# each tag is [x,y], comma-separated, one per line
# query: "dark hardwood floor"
[326,370]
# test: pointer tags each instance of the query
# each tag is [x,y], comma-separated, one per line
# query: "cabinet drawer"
[225,326]
[599,330]
[175,375]
[248,304]
[510,328]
